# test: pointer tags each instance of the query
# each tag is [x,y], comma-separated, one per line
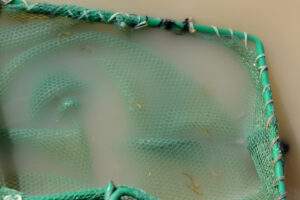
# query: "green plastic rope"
[109,193]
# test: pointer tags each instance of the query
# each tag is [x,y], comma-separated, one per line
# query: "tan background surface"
[275,22]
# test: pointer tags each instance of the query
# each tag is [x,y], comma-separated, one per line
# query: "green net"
[83,103]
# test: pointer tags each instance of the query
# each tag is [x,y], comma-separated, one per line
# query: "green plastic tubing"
[131,20]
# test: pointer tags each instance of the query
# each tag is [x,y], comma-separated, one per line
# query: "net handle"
[137,22]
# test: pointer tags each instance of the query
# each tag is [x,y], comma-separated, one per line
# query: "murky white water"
[103,115]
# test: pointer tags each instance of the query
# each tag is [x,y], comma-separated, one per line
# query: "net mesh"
[82,104]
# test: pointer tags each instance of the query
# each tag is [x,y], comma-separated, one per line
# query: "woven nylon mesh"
[81,106]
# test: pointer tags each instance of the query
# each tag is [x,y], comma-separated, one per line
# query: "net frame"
[137,22]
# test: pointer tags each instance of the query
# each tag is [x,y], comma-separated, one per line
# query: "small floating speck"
[206,133]
[139,106]
[193,186]
[118,169]
[207,91]
[60,35]
[215,173]
[241,115]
